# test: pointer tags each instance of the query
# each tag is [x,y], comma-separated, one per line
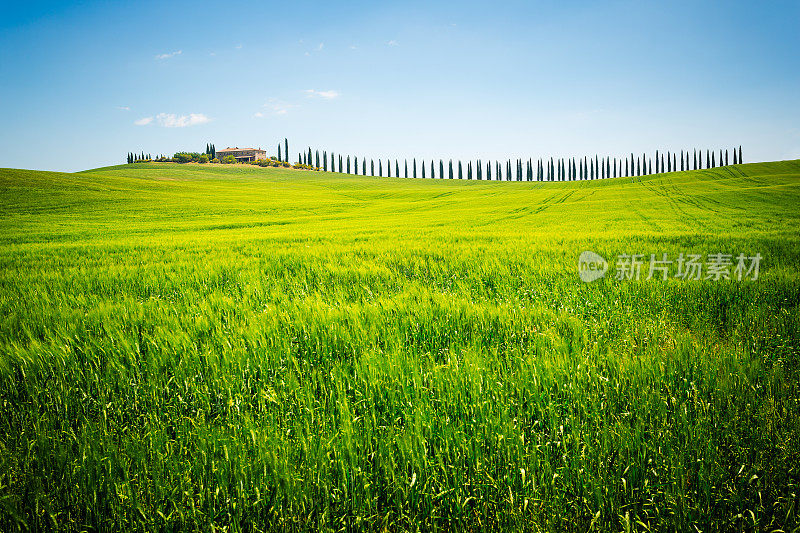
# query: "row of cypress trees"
[133,158]
[211,151]
[563,169]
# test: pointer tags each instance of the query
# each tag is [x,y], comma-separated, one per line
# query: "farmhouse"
[243,154]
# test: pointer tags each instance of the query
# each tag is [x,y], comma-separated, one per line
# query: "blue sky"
[84,83]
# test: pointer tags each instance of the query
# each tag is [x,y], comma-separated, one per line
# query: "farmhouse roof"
[240,150]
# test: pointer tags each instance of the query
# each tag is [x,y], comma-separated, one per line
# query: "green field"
[233,348]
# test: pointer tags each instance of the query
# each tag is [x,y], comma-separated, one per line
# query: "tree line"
[552,169]
[542,169]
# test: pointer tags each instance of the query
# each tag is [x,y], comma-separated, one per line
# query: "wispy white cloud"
[353,47]
[325,95]
[392,43]
[124,107]
[320,46]
[171,120]
[169,55]
[239,46]
[143,121]
[276,107]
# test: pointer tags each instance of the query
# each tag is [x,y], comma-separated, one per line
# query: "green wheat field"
[232,348]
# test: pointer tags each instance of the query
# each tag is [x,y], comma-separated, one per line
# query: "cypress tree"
[460,173]
[450,170]
[348,164]
[406,167]
[740,154]
[324,159]
[734,156]
[355,165]
[713,161]
[720,157]
[433,174]
[341,160]
[414,167]
[286,148]
[280,158]
[441,169]
[708,159]
[372,167]
[380,168]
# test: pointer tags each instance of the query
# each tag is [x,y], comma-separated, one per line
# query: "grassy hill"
[186,346]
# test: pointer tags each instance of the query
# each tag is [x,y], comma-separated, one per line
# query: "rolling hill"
[188,347]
